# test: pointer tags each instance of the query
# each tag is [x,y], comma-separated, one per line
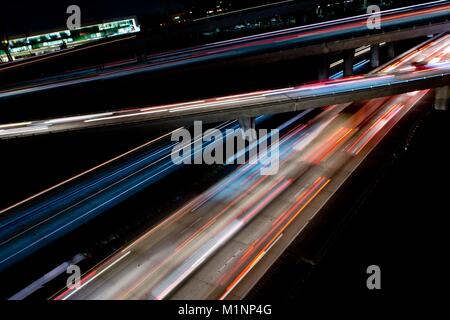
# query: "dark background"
[17,17]
[21,17]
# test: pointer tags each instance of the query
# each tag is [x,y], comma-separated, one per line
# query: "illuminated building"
[24,47]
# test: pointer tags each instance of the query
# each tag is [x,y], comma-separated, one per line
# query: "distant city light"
[24,47]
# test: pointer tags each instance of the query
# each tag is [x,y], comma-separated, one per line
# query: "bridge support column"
[324,67]
[5,48]
[375,55]
[349,57]
[390,50]
[8,54]
[442,98]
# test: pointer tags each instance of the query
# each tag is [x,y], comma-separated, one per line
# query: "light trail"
[250,211]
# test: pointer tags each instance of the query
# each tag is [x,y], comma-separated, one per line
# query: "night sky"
[29,16]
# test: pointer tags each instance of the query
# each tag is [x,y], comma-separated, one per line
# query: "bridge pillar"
[442,98]
[8,54]
[324,67]
[349,57]
[390,50]
[375,55]
[4,46]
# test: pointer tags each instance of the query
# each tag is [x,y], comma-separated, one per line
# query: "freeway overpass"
[134,46]
[219,244]
[433,73]
[315,39]
[295,43]
[323,156]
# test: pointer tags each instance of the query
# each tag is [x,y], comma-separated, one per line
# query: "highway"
[434,73]
[210,246]
[43,218]
[241,47]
